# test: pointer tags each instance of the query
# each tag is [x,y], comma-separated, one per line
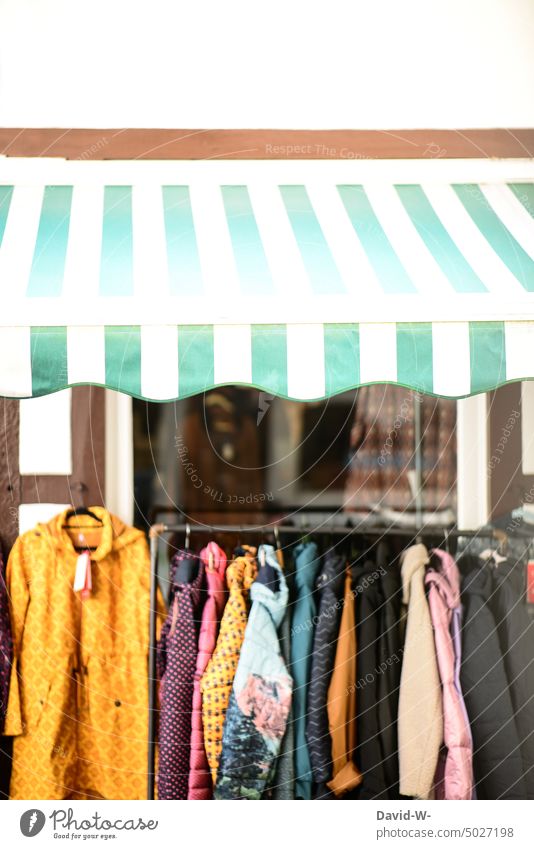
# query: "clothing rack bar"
[324,528]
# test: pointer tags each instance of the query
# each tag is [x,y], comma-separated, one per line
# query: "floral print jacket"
[261,696]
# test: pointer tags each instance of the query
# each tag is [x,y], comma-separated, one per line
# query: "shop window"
[233,450]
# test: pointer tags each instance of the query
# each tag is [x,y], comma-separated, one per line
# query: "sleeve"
[17,583]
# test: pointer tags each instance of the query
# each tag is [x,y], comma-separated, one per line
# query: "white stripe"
[15,362]
[20,235]
[378,353]
[513,214]
[283,256]
[31,514]
[82,260]
[232,353]
[495,275]
[86,355]
[55,171]
[219,270]
[45,434]
[150,269]
[418,261]
[519,345]
[451,358]
[305,361]
[159,362]
[348,253]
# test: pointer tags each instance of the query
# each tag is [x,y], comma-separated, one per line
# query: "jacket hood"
[276,603]
[214,560]
[477,577]
[413,560]
[307,564]
[115,534]
[332,575]
[444,575]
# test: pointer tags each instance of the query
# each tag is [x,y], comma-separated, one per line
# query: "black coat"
[497,759]
[379,659]
[330,584]
[516,636]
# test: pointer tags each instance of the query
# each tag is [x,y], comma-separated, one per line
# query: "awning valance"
[163,279]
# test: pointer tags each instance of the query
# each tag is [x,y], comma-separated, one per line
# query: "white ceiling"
[288,63]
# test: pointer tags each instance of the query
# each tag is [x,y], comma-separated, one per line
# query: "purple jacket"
[454,774]
[6,646]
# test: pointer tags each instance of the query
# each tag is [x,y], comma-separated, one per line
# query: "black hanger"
[81,511]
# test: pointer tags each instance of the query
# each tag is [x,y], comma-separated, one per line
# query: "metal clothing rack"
[159,530]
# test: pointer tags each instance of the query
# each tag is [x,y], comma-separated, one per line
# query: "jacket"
[216,683]
[307,564]
[454,776]
[282,785]
[78,699]
[261,697]
[497,757]
[214,560]
[177,654]
[420,707]
[6,646]
[341,707]
[516,633]
[377,589]
[330,587]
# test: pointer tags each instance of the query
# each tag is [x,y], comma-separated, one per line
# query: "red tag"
[530,582]
[88,585]
[82,576]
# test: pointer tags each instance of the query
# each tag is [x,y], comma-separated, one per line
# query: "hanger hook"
[277,537]
[187,535]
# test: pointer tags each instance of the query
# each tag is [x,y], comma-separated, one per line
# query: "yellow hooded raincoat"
[78,701]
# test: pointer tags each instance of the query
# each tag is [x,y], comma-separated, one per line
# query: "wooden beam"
[93,144]
[509,487]
[10,488]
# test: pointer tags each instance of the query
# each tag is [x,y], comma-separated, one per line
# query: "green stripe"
[487,355]
[524,192]
[246,241]
[48,346]
[195,359]
[269,357]
[185,272]
[341,357]
[498,236]
[6,193]
[320,266]
[123,359]
[116,266]
[48,266]
[388,268]
[414,356]
[444,250]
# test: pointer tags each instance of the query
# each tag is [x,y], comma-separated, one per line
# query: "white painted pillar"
[472,446]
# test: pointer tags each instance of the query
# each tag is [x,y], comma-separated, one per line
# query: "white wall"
[45,448]
[288,63]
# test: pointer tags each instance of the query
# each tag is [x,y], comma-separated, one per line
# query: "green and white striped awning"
[304,279]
